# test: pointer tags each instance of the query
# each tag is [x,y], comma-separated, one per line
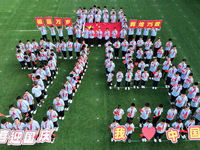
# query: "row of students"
[145,120]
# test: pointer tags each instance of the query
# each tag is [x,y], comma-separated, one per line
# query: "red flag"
[74,10]
[35,137]
[74,88]
[141,135]
[141,110]
[27,115]
[179,66]
[145,52]
[49,21]
[195,99]
[129,128]
[109,127]
[58,104]
[116,112]
[29,75]
[104,64]
[154,72]
[174,85]
[35,63]
[179,102]
[183,71]
[170,52]
[149,23]
[39,21]
[183,131]
[159,128]
[188,80]
[54,135]
[132,23]
[1,114]
[169,116]
[124,61]
[166,70]
[103,27]
[129,115]
[154,116]
[136,63]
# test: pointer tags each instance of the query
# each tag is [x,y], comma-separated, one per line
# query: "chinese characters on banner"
[173,135]
[119,133]
[145,24]
[58,21]
[49,21]
[67,21]
[39,21]
[194,133]
[18,137]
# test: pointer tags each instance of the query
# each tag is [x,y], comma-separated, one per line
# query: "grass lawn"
[81,129]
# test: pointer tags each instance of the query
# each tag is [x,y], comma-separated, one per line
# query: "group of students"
[41,79]
[145,121]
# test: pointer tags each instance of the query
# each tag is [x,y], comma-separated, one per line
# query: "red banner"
[141,24]
[58,21]
[149,23]
[133,24]
[157,24]
[67,21]
[39,21]
[103,27]
[49,21]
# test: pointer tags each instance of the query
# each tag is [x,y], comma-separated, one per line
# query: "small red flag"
[179,102]
[166,70]
[141,110]
[27,115]
[54,135]
[74,10]
[129,115]
[154,72]
[104,64]
[174,85]
[74,88]
[29,75]
[141,135]
[170,52]
[179,66]
[109,127]
[35,137]
[136,63]
[1,114]
[159,128]
[124,61]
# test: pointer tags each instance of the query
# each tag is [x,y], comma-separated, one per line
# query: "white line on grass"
[24,30]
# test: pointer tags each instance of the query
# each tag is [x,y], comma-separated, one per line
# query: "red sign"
[103,27]
[149,23]
[133,24]
[141,24]
[157,24]
[49,21]
[58,21]
[67,21]
[39,21]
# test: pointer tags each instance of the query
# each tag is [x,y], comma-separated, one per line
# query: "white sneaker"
[79,81]
[22,68]
[145,140]
[140,125]
[152,87]
[159,140]
[78,86]
[42,101]
[123,57]
[38,105]
[137,87]
[110,87]
[166,86]
[111,139]
[125,88]
[184,137]
[142,139]
[51,82]
[92,45]
[73,94]
[117,57]
[67,109]
[155,88]
[45,89]
[47,86]
[34,112]
[63,118]
[168,125]
[54,77]
[155,140]
[60,118]
[128,88]
[169,93]
[70,101]
[31,112]
[56,72]
[65,57]
[134,86]
[117,88]
[52,141]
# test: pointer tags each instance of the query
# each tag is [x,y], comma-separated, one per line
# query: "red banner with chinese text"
[49,21]
[39,21]
[141,24]
[133,24]
[103,27]
[157,23]
[67,21]
[149,23]
[58,21]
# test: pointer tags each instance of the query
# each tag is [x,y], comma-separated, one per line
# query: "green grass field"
[81,129]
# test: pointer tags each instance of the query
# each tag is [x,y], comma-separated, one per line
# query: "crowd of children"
[179,80]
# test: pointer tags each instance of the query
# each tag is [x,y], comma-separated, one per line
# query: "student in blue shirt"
[145,113]
[156,79]
[53,33]
[171,114]
[128,79]
[23,106]
[52,114]
[70,32]
[78,34]
[48,124]
[167,48]
[119,77]
[131,112]
[174,81]
[17,125]
[91,35]
[14,113]
[171,73]
[160,130]
[58,104]
[185,73]
[5,124]
[29,98]
[43,31]
[166,66]
[86,35]
[114,35]
[117,45]
[99,36]
[195,103]
[145,76]
[110,79]
[60,33]
[113,125]
[197,117]
[154,33]
[181,101]
[157,113]
[32,125]
[175,92]
[157,46]
[188,123]
[123,34]
[145,34]
[137,78]
[118,113]
[130,129]
[107,34]
[20,58]
[148,125]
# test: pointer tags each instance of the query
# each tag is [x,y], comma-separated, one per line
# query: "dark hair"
[119,106]
[147,105]
[132,104]
[3,121]
[161,105]
[10,106]
[50,107]
[163,120]
[45,119]
[28,120]
[18,97]
[148,120]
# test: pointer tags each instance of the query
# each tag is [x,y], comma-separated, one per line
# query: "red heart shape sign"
[148,133]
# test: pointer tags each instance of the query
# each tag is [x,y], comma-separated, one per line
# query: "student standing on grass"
[130,129]
[14,113]
[69,45]
[138,34]
[133,44]
[114,35]
[156,79]
[20,58]
[154,33]
[60,33]
[64,95]
[167,48]
[37,91]
[145,34]
[118,113]
[185,113]
[29,98]
[166,66]
[160,130]
[171,114]
[185,73]
[107,34]
[192,92]
[99,36]
[32,125]
[137,78]
[53,33]
[188,123]
[17,125]
[145,76]
[131,112]
[139,55]
[85,35]
[175,92]
[171,73]
[119,77]
[117,45]
[23,106]
[110,79]
[68,88]
[181,101]
[48,124]
[70,32]
[64,49]
[58,104]
[43,31]
[113,125]
[157,113]
[145,113]
[157,46]
[139,43]
[52,114]
[91,35]
[128,76]
[195,103]
[149,55]
[174,81]
[153,68]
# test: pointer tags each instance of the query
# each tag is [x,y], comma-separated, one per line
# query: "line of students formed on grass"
[42,77]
